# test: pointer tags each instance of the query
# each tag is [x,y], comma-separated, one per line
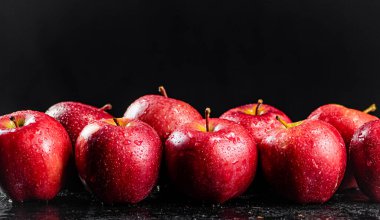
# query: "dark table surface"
[69,205]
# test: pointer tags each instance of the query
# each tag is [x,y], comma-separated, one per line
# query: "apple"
[74,116]
[118,159]
[164,114]
[364,155]
[304,161]
[34,153]
[258,118]
[211,160]
[347,121]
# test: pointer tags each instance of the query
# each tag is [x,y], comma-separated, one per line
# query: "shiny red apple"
[34,153]
[162,113]
[74,116]
[257,118]
[365,158]
[304,161]
[347,121]
[119,159]
[211,160]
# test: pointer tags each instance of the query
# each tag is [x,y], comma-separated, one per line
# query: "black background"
[296,55]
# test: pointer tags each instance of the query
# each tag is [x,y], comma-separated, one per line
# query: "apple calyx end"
[371,108]
[207,117]
[106,107]
[116,121]
[13,119]
[162,90]
[120,122]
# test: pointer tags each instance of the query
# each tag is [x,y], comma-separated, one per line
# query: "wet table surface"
[69,205]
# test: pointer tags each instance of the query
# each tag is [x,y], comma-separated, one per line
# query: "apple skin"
[33,157]
[347,121]
[211,166]
[304,163]
[119,164]
[162,113]
[365,159]
[257,125]
[74,116]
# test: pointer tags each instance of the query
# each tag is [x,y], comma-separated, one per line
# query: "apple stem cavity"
[116,121]
[162,90]
[106,107]
[207,117]
[371,108]
[258,105]
[282,121]
[13,119]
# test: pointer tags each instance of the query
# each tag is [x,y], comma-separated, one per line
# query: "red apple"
[74,116]
[365,158]
[347,121]
[304,161]
[257,118]
[212,160]
[162,113]
[119,159]
[34,152]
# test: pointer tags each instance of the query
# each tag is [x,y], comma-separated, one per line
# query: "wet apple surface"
[118,159]
[74,116]
[258,118]
[216,162]
[211,161]
[34,154]
[164,114]
[346,121]
[304,161]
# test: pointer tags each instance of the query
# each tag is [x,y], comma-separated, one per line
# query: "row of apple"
[211,159]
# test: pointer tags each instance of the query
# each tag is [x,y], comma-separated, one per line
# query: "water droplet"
[138,143]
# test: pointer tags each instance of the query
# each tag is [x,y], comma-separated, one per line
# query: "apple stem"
[258,105]
[162,90]
[116,121]
[282,121]
[371,108]
[106,107]
[207,117]
[13,119]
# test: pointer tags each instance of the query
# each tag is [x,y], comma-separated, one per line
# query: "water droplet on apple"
[361,136]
